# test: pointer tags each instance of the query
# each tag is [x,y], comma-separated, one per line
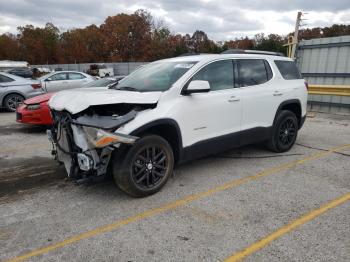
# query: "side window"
[219,75]
[288,69]
[5,79]
[59,76]
[75,76]
[253,72]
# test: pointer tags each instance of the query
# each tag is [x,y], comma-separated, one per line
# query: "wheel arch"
[166,128]
[293,105]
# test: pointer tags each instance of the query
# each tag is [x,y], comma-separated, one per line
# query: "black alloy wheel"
[149,167]
[143,168]
[284,132]
[287,132]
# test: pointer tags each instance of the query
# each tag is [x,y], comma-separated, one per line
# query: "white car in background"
[62,80]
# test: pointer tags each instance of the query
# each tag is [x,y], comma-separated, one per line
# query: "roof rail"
[257,52]
[189,54]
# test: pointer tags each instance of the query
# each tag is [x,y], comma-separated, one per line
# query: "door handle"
[277,93]
[233,99]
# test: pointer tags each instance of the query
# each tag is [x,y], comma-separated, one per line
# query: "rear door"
[260,97]
[76,80]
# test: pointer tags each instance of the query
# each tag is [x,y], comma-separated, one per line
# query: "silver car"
[63,80]
[14,89]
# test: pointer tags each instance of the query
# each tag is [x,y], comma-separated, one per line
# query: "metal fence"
[325,64]
[118,68]
[325,60]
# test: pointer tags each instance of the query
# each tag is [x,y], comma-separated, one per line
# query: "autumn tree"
[9,47]
[272,42]
[200,43]
[318,32]
[83,45]
[132,37]
[127,36]
[39,45]
[242,43]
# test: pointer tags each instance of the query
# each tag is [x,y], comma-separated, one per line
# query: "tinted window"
[219,75]
[58,77]
[288,69]
[75,76]
[5,79]
[252,72]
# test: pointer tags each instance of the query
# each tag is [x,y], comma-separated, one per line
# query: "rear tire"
[145,167]
[12,101]
[284,133]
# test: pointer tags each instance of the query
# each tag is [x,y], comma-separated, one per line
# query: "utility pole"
[296,32]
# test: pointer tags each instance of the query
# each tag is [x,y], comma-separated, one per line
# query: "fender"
[301,118]
[178,151]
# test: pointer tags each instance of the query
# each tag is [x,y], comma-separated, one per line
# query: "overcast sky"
[220,19]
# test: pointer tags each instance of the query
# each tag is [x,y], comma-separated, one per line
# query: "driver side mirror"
[48,79]
[197,86]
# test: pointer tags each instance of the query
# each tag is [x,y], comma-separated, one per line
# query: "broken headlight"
[101,138]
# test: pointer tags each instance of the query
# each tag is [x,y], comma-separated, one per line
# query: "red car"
[35,110]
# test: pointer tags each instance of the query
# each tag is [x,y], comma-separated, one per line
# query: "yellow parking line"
[172,205]
[287,228]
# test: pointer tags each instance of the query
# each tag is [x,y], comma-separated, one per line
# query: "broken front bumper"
[85,148]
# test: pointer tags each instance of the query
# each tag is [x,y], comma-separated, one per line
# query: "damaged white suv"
[175,110]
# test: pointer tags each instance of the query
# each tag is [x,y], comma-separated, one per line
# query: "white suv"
[175,110]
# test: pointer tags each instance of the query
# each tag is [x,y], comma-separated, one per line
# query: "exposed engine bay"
[84,142]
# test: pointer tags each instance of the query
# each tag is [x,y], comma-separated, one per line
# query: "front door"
[215,114]
[56,82]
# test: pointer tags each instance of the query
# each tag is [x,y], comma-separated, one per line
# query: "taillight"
[36,86]
[306,85]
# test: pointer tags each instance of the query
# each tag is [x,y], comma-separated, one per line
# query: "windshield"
[158,76]
[100,82]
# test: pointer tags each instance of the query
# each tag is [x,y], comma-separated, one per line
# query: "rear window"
[253,72]
[5,79]
[75,76]
[288,69]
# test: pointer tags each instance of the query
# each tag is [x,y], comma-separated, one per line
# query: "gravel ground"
[39,208]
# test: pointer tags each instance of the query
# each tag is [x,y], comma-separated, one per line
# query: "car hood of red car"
[39,99]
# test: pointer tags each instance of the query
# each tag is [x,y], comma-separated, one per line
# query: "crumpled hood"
[77,100]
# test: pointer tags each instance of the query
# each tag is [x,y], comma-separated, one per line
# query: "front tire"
[145,167]
[284,133]
[12,101]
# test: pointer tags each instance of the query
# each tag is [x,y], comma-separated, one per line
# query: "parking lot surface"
[248,203]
